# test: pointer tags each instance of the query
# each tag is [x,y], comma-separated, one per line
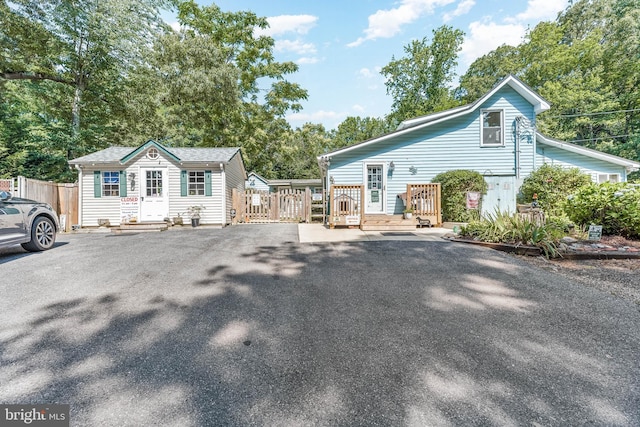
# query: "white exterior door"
[154,195]
[374,188]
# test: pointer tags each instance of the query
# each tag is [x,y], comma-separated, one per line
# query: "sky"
[341,46]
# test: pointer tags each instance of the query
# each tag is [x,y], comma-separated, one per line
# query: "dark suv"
[32,224]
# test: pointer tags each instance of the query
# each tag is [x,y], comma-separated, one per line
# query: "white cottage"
[152,182]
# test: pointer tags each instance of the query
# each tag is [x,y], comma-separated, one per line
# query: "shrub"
[553,184]
[502,227]
[454,187]
[614,206]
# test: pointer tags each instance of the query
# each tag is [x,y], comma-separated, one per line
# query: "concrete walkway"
[311,233]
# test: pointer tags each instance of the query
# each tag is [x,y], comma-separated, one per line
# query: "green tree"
[486,71]
[357,129]
[419,82]
[257,124]
[66,62]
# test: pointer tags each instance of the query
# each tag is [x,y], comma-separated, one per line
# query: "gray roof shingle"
[185,154]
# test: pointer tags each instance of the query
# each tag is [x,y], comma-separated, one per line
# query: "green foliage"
[454,187]
[357,129]
[502,227]
[553,184]
[614,206]
[419,83]
[585,63]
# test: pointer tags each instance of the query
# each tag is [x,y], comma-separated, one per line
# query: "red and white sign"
[129,208]
[473,199]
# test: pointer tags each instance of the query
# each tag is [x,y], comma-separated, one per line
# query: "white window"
[608,177]
[111,184]
[492,131]
[196,183]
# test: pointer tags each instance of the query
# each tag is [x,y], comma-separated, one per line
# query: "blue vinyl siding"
[588,165]
[451,144]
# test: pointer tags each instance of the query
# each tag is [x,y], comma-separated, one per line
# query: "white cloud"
[463,8]
[296,46]
[388,23]
[175,26]
[366,73]
[299,24]
[308,60]
[483,38]
[329,119]
[541,10]
[358,108]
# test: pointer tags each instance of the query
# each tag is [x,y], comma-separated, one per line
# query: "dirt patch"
[619,277]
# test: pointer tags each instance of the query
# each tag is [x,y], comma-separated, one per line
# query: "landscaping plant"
[454,186]
[504,227]
[552,184]
[614,206]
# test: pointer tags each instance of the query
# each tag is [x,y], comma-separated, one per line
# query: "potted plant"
[194,214]
[408,213]
[177,220]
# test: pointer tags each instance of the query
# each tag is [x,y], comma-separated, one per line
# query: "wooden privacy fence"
[286,205]
[425,200]
[62,197]
[345,205]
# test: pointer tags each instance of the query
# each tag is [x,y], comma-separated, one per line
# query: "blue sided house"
[495,136]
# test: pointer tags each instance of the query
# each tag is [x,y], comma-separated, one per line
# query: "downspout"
[224,199]
[518,147]
[80,177]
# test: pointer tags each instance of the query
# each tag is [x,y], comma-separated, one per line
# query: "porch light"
[392,166]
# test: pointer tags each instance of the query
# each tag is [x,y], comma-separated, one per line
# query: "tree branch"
[23,75]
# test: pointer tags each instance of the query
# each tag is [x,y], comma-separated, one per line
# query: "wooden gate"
[286,205]
[345,205]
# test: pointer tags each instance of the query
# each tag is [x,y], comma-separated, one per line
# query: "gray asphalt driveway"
[245,326]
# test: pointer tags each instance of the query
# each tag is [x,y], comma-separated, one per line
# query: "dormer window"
[153,154]
[492,132]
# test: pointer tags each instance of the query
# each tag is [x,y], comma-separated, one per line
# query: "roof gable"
[538,103]
[573,148]
[149,144]
[182,155]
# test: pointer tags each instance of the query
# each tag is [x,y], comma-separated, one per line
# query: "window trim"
[194,185]
[113,186]
[502,127]
[608,177]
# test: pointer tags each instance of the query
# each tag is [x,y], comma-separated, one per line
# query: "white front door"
[154,195]
[374,191]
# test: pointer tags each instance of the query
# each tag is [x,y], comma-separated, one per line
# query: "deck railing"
[424,199]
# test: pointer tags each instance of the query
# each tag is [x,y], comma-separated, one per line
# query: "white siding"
[235,177]
[109,207]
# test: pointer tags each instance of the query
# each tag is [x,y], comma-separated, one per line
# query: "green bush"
[553,184]
[502,227]
[614,206]
[454,187]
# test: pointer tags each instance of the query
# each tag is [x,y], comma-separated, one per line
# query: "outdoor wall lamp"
[392,166]
[132,179]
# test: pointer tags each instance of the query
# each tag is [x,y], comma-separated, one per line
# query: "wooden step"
[140,227]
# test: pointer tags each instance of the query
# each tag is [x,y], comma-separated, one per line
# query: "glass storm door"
[154,197]
[374,192]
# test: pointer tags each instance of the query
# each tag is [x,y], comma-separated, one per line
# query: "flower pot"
[195,222]
[408,215]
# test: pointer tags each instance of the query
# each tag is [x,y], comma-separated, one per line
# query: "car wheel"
[43,235]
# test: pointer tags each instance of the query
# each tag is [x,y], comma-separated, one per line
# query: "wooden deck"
[388,223]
